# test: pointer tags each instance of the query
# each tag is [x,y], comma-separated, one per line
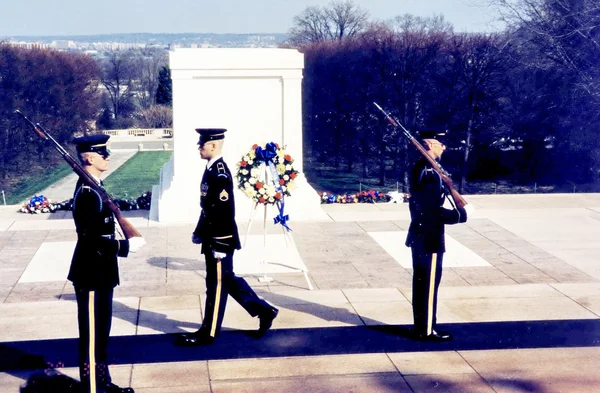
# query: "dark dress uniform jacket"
[216,227]
[94,265]
[428,217]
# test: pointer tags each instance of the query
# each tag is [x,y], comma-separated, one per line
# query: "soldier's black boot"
[200,337]
[435,336]
[266,320]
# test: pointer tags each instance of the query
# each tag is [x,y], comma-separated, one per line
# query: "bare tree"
[118,77]
[566,31]
[477,60]
[339,19]
[156,116]
[346,18]
[412,23]
[57,89]
[148,64]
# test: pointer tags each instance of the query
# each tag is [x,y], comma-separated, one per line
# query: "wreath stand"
[289,241]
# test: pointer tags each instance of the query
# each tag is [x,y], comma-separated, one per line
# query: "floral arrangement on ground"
[41,204]
[266,173]
[370,196]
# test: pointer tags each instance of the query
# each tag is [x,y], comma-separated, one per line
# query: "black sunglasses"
[104,153]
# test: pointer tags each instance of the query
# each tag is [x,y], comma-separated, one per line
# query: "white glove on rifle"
[219,255]
[135,243]
[470,210]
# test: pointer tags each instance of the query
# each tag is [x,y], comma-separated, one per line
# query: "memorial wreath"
[266,175]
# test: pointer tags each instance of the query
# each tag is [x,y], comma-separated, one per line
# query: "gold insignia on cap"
[223,196]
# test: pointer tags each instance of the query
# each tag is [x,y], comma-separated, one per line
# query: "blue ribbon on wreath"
[266,155]
[281,218]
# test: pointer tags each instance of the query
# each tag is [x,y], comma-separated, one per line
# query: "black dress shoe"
[193,339]
[266,320]
[112,388]
[435,336]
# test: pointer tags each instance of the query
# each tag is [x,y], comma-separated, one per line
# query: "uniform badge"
[223,196]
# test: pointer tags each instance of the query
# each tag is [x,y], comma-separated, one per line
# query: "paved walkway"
[63,189]
[122,149]
[520,291]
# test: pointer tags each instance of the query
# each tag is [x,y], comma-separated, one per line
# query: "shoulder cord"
[79,190]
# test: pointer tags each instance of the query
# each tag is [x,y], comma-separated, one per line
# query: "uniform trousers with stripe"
[94,314]
[427,274]
[220,282]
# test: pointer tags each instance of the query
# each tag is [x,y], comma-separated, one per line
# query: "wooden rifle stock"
[458,199]
[128,229]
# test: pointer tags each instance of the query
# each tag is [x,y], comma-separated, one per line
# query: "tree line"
[521,104]
[73,93]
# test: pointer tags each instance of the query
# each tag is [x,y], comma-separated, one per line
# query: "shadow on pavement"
[50,381]
[236,344]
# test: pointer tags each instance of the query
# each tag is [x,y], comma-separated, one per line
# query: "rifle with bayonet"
[445,176]
[128,229]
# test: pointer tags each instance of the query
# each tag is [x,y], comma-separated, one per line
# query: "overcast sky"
[84,17]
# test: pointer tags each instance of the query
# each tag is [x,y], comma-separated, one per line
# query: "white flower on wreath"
[252,180]
[283,188]
[252,154]
[286,177]
[291,186]
[271,199]
[254,172]
[247,158]
[280,168]
[250,162]
[262,191]
[244,171]
[251,192]
[270,190]
[288,167]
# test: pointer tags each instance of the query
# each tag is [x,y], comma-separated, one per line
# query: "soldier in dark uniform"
[426,236]
[94,268]
[218,234]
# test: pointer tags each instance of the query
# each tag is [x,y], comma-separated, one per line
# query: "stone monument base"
[256,94]
[173,203]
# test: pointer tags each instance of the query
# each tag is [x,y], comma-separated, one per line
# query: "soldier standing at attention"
[94,268]
[426,236]
[218,234]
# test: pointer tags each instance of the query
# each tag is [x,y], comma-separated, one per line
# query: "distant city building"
[29,45]
[98,44]
[63,44]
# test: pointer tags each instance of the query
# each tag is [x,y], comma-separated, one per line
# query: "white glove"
[135,243]
[470,209]
[219,255]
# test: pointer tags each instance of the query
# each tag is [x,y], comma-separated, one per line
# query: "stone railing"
[135,132]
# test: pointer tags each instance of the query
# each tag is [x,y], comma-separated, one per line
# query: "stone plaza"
[520,292]
[520,288]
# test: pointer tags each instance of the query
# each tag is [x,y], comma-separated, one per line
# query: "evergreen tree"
[164,92]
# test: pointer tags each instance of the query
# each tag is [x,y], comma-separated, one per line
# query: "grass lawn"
[338,181]
[35,181]
[137,175]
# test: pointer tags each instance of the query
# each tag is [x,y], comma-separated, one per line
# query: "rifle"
[445,176]
[129,230]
